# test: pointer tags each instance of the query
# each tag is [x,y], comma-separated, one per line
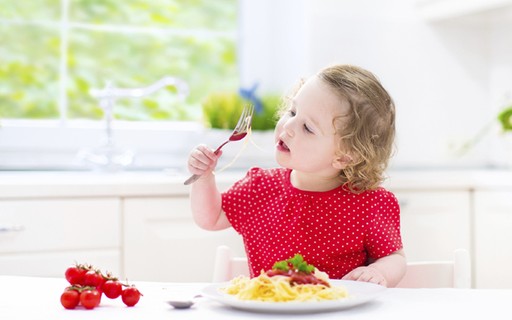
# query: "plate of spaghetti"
[292,287]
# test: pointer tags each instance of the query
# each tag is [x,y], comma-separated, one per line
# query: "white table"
[39,298]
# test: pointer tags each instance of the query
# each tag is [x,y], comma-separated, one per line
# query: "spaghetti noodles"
[281,288]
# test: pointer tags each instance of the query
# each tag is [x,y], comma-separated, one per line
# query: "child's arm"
[386,271]
[205,198]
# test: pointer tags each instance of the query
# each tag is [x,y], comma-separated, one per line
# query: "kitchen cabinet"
[41,237]
[434,223]
[493,238]
[162,242]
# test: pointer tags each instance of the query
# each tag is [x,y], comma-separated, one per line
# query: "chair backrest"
[428,274]
[454,273]
[227,266]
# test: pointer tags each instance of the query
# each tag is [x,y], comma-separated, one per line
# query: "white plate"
[359,293]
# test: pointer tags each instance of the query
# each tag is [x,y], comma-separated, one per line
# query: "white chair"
[454,273]
[428,274]
[227,266]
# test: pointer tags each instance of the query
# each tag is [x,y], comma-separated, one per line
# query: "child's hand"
[366,274]
[202,160]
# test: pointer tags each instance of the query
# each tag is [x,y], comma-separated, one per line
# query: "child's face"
[306,139]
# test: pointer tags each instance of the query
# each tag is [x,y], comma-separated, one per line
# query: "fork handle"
[192,179]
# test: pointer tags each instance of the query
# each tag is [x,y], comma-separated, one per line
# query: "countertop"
[14,184]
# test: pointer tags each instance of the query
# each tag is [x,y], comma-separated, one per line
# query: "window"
[54,52]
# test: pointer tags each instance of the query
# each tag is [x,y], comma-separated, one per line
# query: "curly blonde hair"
[368,130]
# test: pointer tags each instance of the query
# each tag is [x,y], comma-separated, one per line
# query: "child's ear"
[342,161]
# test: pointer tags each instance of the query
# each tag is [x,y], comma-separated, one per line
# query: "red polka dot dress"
[336,230]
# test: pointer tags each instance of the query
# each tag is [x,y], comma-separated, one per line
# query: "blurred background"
[447,66]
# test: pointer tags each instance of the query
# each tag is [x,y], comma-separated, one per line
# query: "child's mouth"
[281,146]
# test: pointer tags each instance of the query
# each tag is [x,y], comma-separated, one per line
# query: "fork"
[240,131]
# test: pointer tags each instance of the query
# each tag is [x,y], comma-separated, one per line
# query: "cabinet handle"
[9,227]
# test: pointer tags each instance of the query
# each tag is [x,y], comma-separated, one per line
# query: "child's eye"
[306,128]
[291,113]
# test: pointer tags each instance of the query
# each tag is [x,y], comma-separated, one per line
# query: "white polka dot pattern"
[336,230]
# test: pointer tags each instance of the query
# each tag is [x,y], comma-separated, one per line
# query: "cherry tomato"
[90,298]
[93,279]
[70,299]
[75,275]
[112,289]
[131,296]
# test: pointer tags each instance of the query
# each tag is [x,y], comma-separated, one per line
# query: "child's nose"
[288,128]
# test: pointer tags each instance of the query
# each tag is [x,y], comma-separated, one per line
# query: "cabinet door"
[493,239]
[162,242]
[42,236]
[59,224]
[434,224]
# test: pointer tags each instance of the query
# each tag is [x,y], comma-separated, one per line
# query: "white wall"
[445,76]
[272,44]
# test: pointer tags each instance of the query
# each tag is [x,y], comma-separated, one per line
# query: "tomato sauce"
[298,277]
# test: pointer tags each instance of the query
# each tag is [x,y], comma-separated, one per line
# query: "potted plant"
[221,111]
[505,118]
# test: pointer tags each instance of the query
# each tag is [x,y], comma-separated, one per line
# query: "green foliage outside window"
[130,43]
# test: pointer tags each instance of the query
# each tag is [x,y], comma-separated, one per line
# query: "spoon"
[183,304]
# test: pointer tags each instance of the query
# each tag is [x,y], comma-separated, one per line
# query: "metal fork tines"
[240,131]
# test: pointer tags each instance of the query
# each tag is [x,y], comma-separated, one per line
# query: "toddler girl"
[333,142]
